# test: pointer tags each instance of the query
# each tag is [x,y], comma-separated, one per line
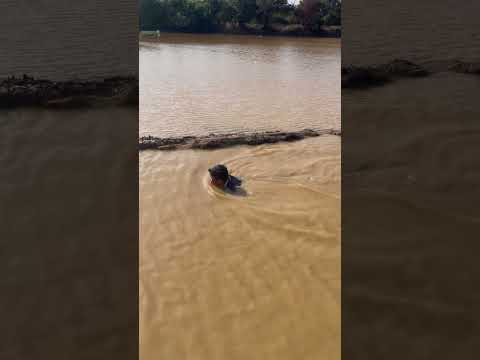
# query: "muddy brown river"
[254,276]
[197,84]
[410,174]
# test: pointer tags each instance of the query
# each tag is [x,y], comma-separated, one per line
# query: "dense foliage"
[221,15]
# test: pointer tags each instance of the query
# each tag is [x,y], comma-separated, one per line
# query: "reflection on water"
[197,84]
[232,277]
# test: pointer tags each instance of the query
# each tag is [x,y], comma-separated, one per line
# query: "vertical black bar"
[69,180]
[410,176]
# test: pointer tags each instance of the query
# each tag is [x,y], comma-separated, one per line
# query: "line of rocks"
[363,77]
[357,77]
[28,91]
[218,141]
[466,67]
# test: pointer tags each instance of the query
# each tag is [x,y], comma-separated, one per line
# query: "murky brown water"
[68,212]
[405,30]
[60,41]
[240,277]
[410,174]
[407,208]
[197,84]
[69,228]
[247,277]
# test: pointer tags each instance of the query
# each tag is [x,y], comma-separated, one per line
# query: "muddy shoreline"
[363,77]
[27,91]
[220,141]
[296,31]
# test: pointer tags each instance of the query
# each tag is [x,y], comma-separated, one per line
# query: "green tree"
[266,8]
[247,10]
[215,8]
[332,12]
[213,15]
[315,13]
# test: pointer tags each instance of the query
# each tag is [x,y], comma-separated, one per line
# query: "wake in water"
[215,263]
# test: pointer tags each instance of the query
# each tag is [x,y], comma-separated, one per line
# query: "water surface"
[405,30]
[69,225]
[410,175]
[197,84]
[63,41]
[240,277]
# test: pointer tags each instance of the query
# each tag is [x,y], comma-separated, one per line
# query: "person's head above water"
[219,175]
[222,179]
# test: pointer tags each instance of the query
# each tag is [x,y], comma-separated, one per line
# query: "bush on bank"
[307,16]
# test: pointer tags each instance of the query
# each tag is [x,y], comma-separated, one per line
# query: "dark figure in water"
[220,178]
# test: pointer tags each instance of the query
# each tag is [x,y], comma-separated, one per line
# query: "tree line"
[241,15]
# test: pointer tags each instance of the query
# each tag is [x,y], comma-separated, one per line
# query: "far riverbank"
[276,30]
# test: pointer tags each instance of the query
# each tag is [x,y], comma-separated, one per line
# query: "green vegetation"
[255,16]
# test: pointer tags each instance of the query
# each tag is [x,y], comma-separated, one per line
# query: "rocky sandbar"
[218,141]
[363,77]
[28,91]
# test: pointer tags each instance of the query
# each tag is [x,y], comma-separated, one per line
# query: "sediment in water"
[28,92]
[218,141]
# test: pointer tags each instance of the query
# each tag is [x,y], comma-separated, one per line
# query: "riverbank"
[294,30]
[220,141]
[30,92]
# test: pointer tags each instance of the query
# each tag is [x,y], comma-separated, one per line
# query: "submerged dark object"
[220,173]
